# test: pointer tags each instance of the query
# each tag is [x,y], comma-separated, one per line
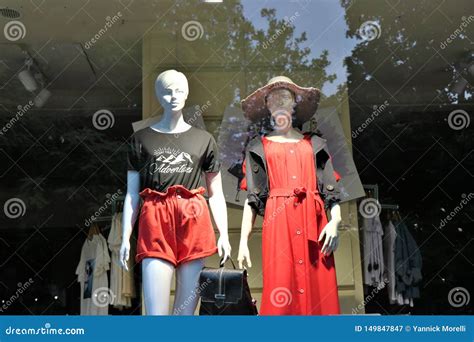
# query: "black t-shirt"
[165,159]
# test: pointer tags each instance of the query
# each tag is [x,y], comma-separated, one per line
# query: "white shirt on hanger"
[92,275]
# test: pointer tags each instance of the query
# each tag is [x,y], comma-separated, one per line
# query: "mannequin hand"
[124,254]
[224,248]
[244,254]
[331,241]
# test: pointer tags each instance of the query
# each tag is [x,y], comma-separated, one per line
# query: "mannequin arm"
[219,211]
[130,214]
[248,220]
[330,231]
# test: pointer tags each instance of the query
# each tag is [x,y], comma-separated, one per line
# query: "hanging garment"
[408,263]
[92,276]
[122,282]
[373,251]
[297,278]
[389,260]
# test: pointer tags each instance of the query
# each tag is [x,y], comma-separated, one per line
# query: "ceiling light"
[42,97]
[9,13]
[28,80]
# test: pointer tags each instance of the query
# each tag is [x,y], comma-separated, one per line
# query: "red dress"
[297,278]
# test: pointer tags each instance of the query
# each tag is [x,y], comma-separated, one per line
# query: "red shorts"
[175,225]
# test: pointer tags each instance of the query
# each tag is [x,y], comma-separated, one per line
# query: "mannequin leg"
[157,276]
[187,283]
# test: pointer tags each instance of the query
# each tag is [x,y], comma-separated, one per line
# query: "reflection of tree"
[256,54]
[283,56]
[405,48]
[64,172]
[399,147]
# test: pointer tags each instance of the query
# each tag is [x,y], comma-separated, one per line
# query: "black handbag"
[225,291]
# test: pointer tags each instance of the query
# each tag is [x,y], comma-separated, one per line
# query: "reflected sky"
[324,24]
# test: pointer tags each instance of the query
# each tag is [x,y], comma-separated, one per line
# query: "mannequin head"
[281,103]
[171,89]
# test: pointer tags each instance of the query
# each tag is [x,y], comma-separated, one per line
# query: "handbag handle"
[223,264]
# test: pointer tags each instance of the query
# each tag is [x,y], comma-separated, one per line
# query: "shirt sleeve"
[107,259]
[327,179]
[80,267]
[134,154]
[211,157]
[102,258]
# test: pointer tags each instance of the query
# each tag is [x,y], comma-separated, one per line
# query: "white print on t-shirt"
[88,284]
[171,160]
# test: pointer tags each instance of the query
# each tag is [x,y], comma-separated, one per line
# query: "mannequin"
[279,99]
[171,89]
[297,241]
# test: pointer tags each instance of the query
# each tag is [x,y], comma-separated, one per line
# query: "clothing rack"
[375,189]
[397,243]
[102,219]
[390,206]
[117,205]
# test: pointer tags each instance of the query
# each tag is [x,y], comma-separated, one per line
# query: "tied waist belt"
[299,194]
[177,190]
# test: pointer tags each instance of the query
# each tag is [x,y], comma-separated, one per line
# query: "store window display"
[397,119]
[165,164]
[291,181]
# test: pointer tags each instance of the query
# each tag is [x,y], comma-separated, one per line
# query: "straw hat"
[307,100]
